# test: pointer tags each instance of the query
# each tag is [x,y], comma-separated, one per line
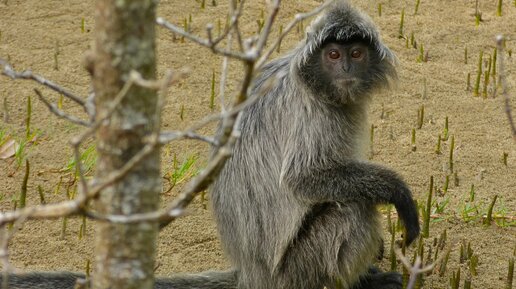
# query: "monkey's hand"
[407,212]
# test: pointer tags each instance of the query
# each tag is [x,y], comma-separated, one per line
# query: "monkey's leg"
[355,181]
[68,280]
[377,279]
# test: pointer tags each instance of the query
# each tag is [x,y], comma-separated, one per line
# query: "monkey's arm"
[356,181]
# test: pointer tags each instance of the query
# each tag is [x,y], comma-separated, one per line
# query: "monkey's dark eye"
[356,53]
[334,54]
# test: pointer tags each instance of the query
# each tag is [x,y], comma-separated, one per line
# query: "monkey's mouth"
[343,82]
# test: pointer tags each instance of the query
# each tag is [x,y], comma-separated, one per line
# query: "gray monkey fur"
[296,206]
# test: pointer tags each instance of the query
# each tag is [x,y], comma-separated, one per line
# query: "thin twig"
[8,71]
[297,18]
[169,136]
[415,269]
[266,30]
[59,113]
[203,42]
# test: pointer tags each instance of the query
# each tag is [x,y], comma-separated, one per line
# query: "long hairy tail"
[69,280]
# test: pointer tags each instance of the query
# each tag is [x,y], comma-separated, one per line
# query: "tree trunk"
[125,41]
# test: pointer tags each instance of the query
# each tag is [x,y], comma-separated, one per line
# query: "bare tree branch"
[297,18]
[167,137]
[8,71]
[203,42]
[59,113]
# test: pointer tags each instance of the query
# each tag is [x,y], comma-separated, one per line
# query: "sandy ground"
[33,32]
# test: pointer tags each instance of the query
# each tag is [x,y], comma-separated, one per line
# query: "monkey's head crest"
[341,23]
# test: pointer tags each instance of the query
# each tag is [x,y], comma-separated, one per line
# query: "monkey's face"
[346,67]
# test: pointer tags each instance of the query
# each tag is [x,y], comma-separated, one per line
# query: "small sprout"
[441,206]
[87,268]
[260,21]
[371,141]
[438,145]
[468,82]
[60,101]
[444,263]
[455,279]
[467,283]
[473,263]
[185,28]
[445,131]
[420,248]
[510,272]
[41,195]
[426,221]
[413,42]
[472,193]
[56,54]
[465,252]
[279,43]
[389,221]
[219,27]
[339,284]
[413,140]
[420,116]
[203,4]
[417,7]
[421,56]
[476,90]
[495,56]
[425,90]
[82,229]
[446,184]
[212,94]
[380,9]
[23,192]
[442,240]
[5,110]
[489,218]
[466,55]
[82,25]
[203,200]
[478,14]
[392,256]
[486,76]
[402,20]
[456,180]
[28,118]
[189,22]
[452,148]
[504,158]
[182,112]
[499,8]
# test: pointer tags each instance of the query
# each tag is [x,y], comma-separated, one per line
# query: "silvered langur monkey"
[295,206]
